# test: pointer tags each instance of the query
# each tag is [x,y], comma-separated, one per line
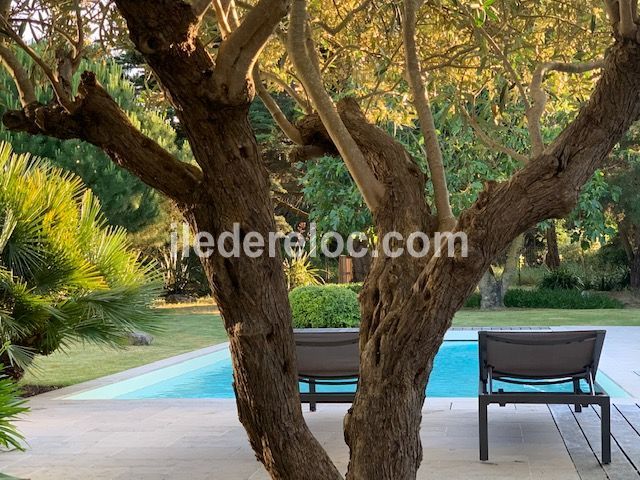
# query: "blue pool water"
[455,374]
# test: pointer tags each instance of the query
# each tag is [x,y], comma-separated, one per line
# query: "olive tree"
[205,55]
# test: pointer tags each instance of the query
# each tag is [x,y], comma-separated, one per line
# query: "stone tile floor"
[196,439]
[202,439]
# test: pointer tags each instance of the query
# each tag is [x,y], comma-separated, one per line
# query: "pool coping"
[454,334]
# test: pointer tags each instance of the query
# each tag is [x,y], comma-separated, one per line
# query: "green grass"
[184,329]
[517,317]
[192,327]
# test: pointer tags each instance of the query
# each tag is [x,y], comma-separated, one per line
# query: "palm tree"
[65,275]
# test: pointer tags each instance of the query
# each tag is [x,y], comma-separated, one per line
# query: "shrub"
[355,287]
[560,298]
[324,306]
[561,279]
[473,301]
[299,272]
[11,408]
[531,276]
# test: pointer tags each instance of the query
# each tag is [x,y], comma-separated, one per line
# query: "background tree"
[407,303]
[126,201]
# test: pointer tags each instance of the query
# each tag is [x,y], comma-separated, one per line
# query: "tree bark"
[552,258]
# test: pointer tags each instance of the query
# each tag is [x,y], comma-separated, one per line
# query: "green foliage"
[561,278]
[564,299]
[299,271]
[324,306]
[12,406]
[355,287]
[531,276]
[64,274]
[473,301]
[335,204]
[125,200]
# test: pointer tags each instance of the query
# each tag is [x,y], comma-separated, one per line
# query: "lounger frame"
[596,396]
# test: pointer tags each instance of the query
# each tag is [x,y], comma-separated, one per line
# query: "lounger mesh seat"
[327,357]
[542,358]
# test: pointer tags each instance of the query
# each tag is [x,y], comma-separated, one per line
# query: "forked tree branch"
[239,52]
[302,102]
[446,219]
[539,97]
[491,142]
[298,43]
[276,112]
[61,94]
[98,119]
[347,18]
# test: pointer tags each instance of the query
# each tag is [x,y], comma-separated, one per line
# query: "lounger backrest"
[540,354]
[327,354]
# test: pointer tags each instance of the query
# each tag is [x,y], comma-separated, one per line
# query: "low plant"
[562,278]
[300,272]
[559,298]
[324,306]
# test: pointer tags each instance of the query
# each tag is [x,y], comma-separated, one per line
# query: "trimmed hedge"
[355,287]
[473,301]
[559,298]
[324,306]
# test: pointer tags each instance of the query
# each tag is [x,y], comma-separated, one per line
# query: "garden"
[141,140]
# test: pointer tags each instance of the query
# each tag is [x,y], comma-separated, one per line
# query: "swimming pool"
[455,374]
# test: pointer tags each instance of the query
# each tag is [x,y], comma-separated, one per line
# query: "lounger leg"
[312,396]
[576,390]
[483,429]
[605,416]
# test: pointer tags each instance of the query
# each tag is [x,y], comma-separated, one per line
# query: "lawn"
[191,327]
[518,317]
[184,329]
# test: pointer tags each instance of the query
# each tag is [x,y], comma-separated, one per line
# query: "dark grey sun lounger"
[327,357]
[535,358]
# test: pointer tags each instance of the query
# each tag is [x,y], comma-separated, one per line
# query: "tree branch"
[200,7]
[302,102]
[491,142]
[371,188]
[446,219]
[98,119]
[627,28]
[277,114]
[26,90]
[539,97]
[59,90]
[239,52]
[347,18]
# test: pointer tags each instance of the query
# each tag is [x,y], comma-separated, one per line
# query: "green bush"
[356,287]
[560,298]
[473,301]
[561,279]
[531,276]
[324,306]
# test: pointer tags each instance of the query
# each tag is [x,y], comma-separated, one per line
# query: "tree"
[64,275]
[126,201]
[407,303]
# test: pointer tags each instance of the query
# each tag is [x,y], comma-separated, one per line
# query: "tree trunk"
[361,265]
[634,268]
[491,292]
[493,289]
[552,258]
